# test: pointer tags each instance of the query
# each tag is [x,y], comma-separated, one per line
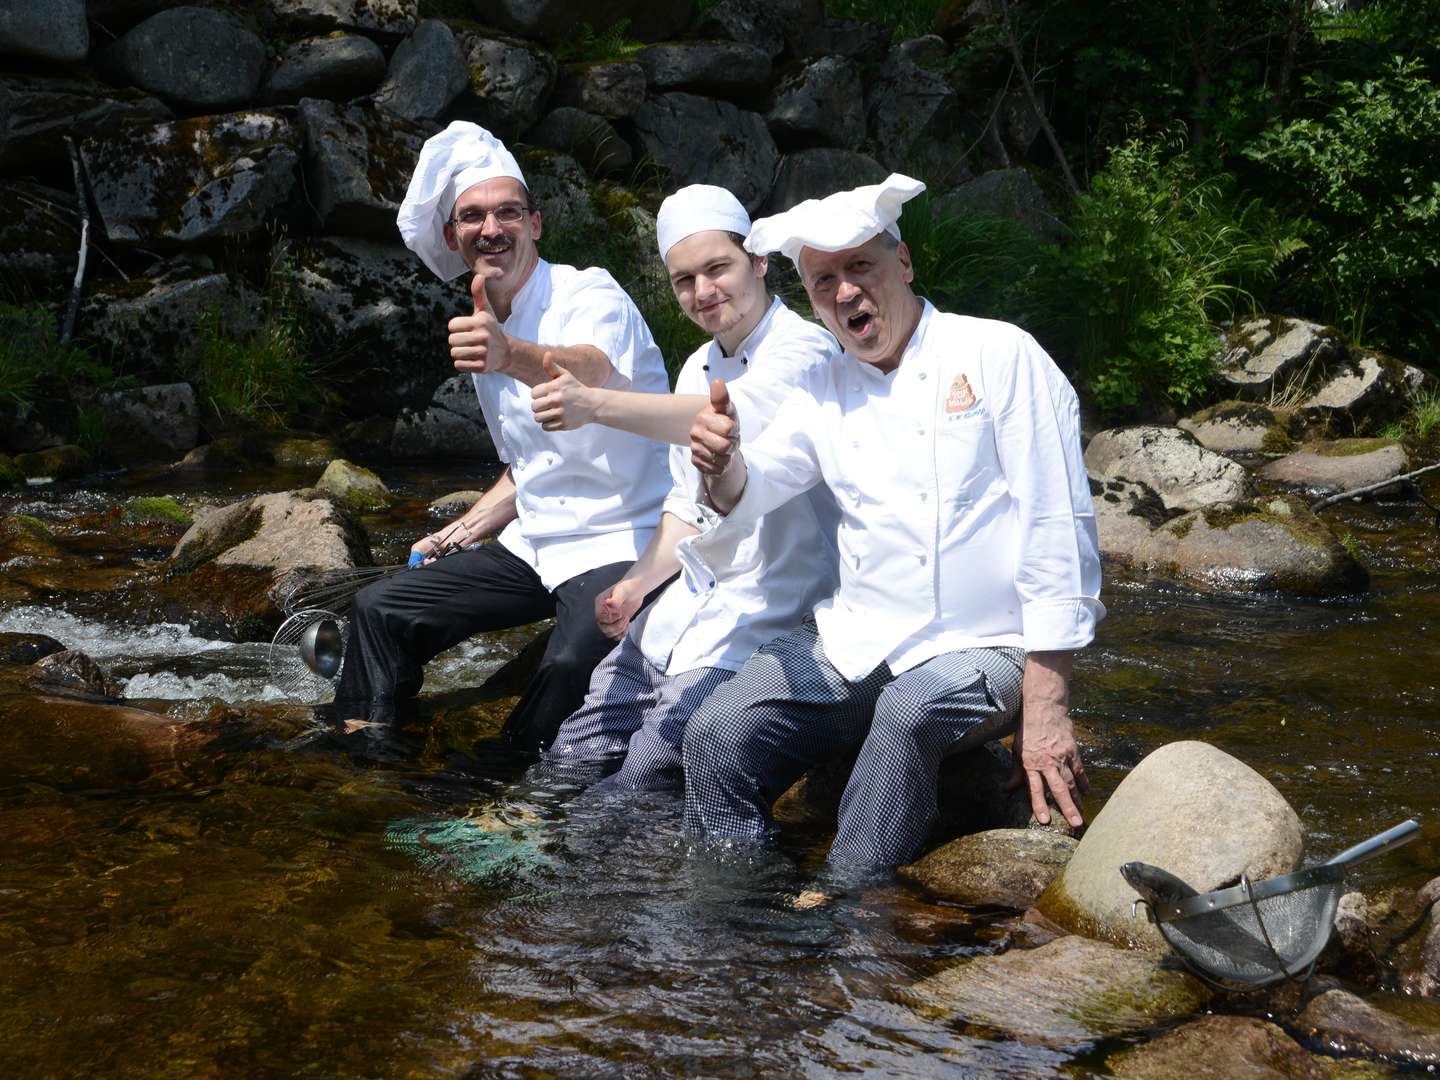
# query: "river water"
[275,902]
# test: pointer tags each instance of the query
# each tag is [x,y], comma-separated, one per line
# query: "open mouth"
[859,324]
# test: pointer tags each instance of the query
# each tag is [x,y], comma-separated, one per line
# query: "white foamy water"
[102,640]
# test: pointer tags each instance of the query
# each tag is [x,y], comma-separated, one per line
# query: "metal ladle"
[322,647]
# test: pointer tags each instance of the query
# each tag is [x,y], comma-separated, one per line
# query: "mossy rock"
[156,509]
[355,486]
[304,453]
[10,476]
[230,453]
[56,463]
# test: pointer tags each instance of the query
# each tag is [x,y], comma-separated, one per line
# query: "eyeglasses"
[509,214]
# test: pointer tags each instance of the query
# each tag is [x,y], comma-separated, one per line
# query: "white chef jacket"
[589,497]
[776,569]
[966,518]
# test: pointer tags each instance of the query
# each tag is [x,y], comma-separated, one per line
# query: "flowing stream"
[275,902]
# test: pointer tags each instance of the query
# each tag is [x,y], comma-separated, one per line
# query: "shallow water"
[261,905]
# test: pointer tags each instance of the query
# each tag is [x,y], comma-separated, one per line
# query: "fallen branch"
[73,309]
[1374,487]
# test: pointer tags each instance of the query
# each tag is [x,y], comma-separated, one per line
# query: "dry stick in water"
[1374,487]
[74,307]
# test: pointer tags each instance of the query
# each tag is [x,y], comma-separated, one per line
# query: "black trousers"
[401,622]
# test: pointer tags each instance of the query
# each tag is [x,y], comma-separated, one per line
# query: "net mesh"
[287,668]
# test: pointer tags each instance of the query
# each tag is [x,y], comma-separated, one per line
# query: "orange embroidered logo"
[961,397]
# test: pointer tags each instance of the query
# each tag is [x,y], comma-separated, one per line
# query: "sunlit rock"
[152,421]
[388,17]
[999,867]
[355,486]
[427,72]
[823,102]
[1361,388]
[1188,808]
[1339,465]
[1069,992]
[452,425]
[358,163]
[702,140]
[1182,472]
[338,67]
[199,179]
[55,30]
[1390,1026]
[1126,513]
[613,89]
[1243,427]
[196,58]
[1278,360]
[1228,1048]
[509,81]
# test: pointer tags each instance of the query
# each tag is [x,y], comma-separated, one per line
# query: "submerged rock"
[1171,462]
[356,487]
[1177,795]
[999,867]
[1340,465]
[27,648]
[1396,1028]
[1067,993]
[1232,1048]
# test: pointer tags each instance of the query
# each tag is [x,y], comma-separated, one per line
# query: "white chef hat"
[844,220]
[462,155]
[698,208]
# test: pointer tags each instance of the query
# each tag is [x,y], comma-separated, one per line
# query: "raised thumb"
[552,369]
[719,397]
[477,292]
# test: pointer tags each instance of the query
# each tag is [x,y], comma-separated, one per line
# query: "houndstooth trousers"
[788,710]
[633,712]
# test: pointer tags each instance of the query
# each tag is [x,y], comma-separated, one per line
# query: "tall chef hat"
[462,155]
[698,208]
[844,220]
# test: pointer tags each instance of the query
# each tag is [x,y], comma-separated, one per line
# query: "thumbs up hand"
[477,344]
[563,403]
[715,434]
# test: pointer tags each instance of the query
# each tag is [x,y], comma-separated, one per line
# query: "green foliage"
[1420,422]
[35,364]
[585,46]
[1368,181]
[161,509]
[906,18]
[262,374]
[976,263]
[1157,254]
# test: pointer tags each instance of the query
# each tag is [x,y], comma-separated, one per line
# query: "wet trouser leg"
[399,623]
[786,711]
[575,647]
[951,703]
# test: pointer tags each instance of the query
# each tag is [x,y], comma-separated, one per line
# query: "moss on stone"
[10,476]
[56,463]
[156,509]
[1277,440]
[1351,447]
[1292,516]
[30,526]
[1181,529]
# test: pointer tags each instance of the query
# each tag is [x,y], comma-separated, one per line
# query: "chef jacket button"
[923,560]
[922,376]
[923,497]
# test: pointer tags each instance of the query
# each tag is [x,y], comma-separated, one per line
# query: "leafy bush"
[265,373]
[586,46]
[1368,180]
[1156,254]
[33,361]
[906,18]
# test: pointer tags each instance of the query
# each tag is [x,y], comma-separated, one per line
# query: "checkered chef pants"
[788,710]
[632,712]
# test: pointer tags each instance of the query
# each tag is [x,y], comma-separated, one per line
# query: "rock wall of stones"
[210,134]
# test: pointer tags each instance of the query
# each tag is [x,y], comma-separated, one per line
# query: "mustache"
[495,246]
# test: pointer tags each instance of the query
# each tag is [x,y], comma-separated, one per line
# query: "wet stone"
[73,670]
[455,503]
[27,648]
[304,453]
[355,486]
[1232,1048]
[199,59]
[1070,992]
[1000,867]
[1339,465]
[1390,1026]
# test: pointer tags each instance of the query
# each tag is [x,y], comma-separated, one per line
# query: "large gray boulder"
[1277,359]
[823,102]
[996,868]
[192,180]
[1360,388]
[451,426]
[387,17]
[1009,193]
[153,421]
[613,89]
[36,114]
[198,59]
[726,68]
[1242,427]
[1068,993]
[1189,808]
[558,20]
[589,139]
[358,163]
[1170,461]
[916,122]
[427,72]
[510,81]
[55,30]
[1339,465]
[154,322]
[1127,513]
[341,67]
[383,317]
[817,172]
[700,140]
